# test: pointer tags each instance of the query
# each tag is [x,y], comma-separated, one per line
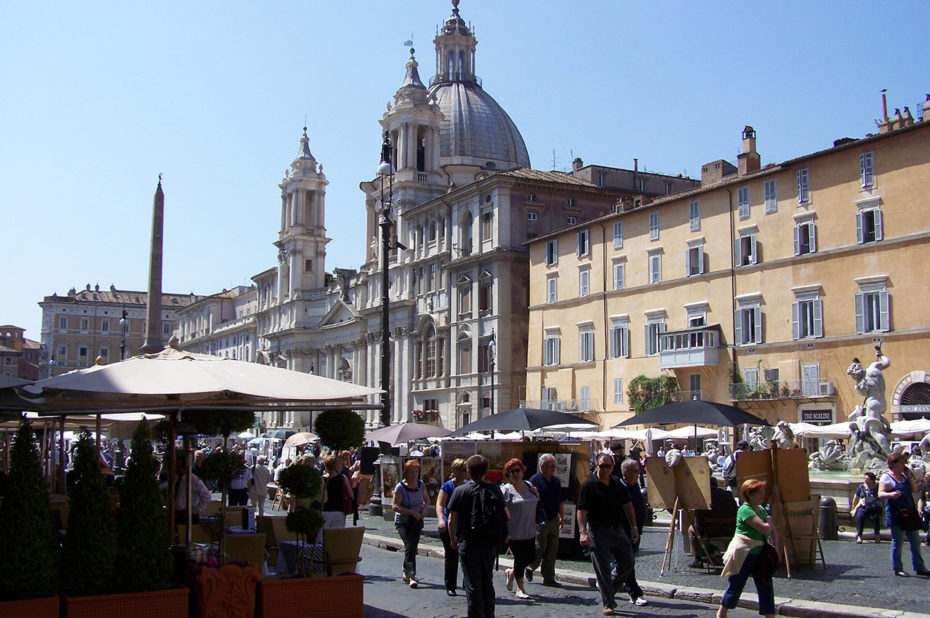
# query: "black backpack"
[488,518]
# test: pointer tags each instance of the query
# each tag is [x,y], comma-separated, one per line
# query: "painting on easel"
[683,488]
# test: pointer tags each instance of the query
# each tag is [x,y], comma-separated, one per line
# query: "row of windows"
[872,309]
[868,222]
[747,251]
[104,325]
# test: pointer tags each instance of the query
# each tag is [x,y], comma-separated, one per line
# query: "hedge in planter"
[28,540]
[143,560]
[89,554]
[340,429]
[305,483]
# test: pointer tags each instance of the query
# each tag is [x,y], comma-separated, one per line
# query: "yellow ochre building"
[758,288]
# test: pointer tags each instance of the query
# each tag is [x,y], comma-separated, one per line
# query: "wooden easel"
[670,541]
[688,483]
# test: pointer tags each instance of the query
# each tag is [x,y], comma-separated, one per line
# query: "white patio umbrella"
[246,435]
[684,433]
[911,428]
[174,379]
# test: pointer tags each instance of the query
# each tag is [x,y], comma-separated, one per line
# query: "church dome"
[475,129]
[475,126]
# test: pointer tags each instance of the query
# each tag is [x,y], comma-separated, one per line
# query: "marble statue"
[828,457]
[673,457]
[784,436]
[761,437]
[870,431]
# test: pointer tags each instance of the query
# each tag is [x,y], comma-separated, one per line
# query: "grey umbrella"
[523,419]
[694,412]
[404,432]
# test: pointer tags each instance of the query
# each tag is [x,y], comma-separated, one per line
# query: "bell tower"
[302,238]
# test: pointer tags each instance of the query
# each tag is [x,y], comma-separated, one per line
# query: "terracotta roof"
[561,177]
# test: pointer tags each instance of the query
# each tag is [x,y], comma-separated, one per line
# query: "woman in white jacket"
[744,557]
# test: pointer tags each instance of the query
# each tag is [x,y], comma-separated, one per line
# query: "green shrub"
[340,429]
[28,539]
[144,562]
[301,481]
[88,561]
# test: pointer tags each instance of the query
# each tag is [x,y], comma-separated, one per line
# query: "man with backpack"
[480,508]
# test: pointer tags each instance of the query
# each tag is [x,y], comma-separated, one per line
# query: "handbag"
[770,559]
[348,504]
[872,505]
[907,518]
[541,513]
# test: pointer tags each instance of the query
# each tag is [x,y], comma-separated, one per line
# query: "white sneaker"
[640,601]
[413,583]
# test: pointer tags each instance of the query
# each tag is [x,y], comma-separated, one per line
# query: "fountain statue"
[828,457]
[869,445]
[761,437]
[783,436]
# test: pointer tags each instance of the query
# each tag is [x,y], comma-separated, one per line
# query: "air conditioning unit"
[827,389]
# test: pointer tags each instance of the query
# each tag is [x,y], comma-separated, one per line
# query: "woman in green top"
[752,522]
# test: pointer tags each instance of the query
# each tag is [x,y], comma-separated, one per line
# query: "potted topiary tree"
[230,589]
[28,540]
[305,484]
[340,429]
[318,596]
[88,562]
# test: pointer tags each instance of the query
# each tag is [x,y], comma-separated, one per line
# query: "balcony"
[783,389]
[690,347]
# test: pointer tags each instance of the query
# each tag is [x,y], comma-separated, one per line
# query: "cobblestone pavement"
[857,576]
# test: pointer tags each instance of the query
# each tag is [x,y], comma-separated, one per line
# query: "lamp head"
[385,168]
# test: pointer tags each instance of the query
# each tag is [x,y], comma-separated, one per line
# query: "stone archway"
[911,397]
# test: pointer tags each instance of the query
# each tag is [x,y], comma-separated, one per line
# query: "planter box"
[171,603]
[48,607]
[323,597]
[226,592]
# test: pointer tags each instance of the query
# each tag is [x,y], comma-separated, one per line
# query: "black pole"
[123,323]
[385,169]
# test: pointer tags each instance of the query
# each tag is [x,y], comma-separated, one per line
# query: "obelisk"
[153,342]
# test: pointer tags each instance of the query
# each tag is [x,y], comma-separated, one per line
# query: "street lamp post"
[123,324]
[385,170]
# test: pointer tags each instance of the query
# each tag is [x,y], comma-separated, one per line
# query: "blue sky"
[101,97]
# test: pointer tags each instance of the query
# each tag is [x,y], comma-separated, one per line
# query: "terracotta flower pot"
[170,603]
[48,607]
[323,597]
[225,592]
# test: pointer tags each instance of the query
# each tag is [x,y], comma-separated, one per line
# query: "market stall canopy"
[299,439]
[174,379]
[694,412]
[404,432]
[808,430]
[912,428]
[522,419]
[684,433]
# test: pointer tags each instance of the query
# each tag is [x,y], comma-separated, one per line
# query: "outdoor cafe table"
[287,556]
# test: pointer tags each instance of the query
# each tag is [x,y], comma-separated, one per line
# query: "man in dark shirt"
[717,523]
[602,505]
[547,537]
[476,554]
[630,482]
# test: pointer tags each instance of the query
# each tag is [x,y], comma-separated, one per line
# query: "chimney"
[748,161]
[577,164]
[896,122]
